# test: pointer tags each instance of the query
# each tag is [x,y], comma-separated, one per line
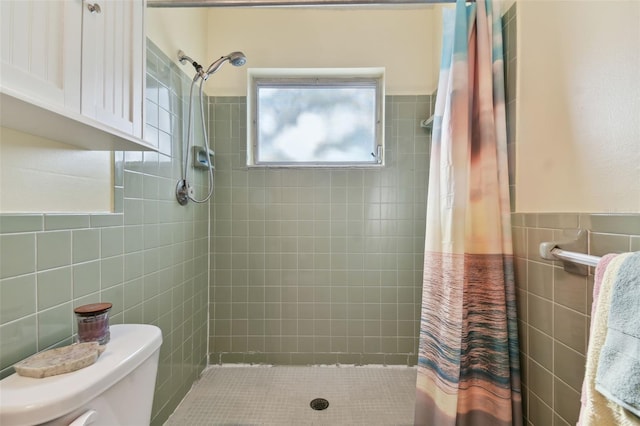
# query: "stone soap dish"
[59,360]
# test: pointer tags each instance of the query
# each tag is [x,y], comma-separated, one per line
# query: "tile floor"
[280,395]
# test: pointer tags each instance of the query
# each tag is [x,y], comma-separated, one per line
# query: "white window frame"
[306,76]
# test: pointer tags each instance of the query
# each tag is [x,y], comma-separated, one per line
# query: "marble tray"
[59,360]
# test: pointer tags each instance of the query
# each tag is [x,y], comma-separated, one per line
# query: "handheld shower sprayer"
[184,191]
[237,59]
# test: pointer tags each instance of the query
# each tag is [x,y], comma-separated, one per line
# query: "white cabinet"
[112,67]
[41,55]
[73,75]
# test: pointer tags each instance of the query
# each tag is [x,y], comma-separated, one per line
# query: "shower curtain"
[468,366]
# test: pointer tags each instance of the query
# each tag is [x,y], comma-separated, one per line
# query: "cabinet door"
[40,49]
[112,64]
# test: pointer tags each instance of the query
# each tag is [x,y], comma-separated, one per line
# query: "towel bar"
[570,251]
[571,256]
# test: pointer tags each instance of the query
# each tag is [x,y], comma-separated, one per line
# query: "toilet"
[116,390]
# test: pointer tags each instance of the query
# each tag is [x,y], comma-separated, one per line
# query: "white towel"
[596,410]
[597,285]
[618,376]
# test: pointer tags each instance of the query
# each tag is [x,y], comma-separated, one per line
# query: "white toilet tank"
[116,390]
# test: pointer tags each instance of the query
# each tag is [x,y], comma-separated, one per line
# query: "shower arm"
[183,58]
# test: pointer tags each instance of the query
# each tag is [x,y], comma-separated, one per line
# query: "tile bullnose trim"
[11,223]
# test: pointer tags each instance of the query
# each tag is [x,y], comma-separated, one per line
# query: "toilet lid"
[26,400]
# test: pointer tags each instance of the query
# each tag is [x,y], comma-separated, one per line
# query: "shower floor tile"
[280,395]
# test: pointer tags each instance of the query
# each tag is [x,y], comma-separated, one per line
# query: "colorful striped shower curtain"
[468,367]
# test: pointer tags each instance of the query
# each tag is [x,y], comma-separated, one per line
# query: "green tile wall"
[318,266]
[510,34]
[554,309]
[149,258]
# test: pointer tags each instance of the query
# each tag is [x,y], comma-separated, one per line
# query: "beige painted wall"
[39,175]
[174,29]
[578,134]
[399,39]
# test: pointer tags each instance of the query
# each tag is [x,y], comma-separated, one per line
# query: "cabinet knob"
[94,8]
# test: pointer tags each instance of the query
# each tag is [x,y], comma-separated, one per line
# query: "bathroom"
[233,281]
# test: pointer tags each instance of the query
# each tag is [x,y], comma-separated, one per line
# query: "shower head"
[237,59]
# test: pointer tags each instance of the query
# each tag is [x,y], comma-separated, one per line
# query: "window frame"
[348,77]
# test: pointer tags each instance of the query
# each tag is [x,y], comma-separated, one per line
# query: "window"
[316,117]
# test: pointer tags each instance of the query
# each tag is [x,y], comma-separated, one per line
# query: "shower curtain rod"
[259,3]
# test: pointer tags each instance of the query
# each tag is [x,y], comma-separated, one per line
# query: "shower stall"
[310,266]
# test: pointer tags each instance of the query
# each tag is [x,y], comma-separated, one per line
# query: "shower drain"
[319,404]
